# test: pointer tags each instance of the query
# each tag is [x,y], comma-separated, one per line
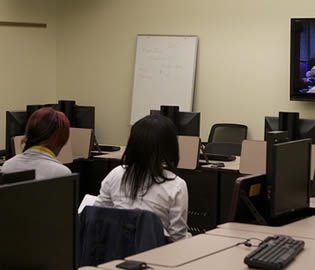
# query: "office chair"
[223,148]
[227,133]
[226,139]
[108,234]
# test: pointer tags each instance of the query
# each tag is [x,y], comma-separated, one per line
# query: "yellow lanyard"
[44,149]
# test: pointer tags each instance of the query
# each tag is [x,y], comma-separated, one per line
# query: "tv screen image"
[302,77]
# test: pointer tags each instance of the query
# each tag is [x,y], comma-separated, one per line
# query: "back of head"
[151,146]
[47,127]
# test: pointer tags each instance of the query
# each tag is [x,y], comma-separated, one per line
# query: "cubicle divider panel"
[203,199]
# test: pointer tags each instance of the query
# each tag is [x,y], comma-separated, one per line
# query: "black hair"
[152,146]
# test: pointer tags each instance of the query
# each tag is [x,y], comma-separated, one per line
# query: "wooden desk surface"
[304,228]
[226,256]
[228,165]
[180,252]
[112,155]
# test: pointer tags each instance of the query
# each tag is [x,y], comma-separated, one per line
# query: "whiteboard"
[164,73]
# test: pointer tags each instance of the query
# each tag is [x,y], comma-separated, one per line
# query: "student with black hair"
[147,177]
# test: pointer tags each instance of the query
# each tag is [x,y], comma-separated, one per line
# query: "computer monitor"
[282,194]
[288,177]
[305,128]
[187,123]
[84,117]
[14,177]
[79,116]
[39,224]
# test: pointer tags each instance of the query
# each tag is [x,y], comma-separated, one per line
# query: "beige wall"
[243,57]
[27,56]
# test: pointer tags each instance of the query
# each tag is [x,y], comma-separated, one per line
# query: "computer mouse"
[217,165]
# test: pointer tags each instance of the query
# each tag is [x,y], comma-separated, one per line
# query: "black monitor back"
[14,177]
[305,128]
[84,117]
[288,177]
[79,116]
[39,224]
[187,123]
[283,194]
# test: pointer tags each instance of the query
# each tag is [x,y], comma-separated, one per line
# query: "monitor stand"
[252,208]
[292,217]
[286,219]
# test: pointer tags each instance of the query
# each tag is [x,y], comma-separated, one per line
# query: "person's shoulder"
[181,182]
[115,174]
[10,162]
[175,179]
[54,164]
[65,169]
[57,170]
[118,170]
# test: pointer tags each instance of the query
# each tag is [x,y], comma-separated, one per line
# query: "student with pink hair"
[47,131]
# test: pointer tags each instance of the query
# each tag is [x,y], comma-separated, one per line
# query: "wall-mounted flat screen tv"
[302,72]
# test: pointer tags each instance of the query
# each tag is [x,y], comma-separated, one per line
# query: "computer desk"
[112,155]
[228,165]
[216,249]
[304,228]
[210,189]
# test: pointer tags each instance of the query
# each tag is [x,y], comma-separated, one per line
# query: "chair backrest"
[107,234]
[223,148]
[227,133]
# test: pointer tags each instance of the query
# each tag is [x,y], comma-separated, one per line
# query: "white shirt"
[43,163]
[169,200]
